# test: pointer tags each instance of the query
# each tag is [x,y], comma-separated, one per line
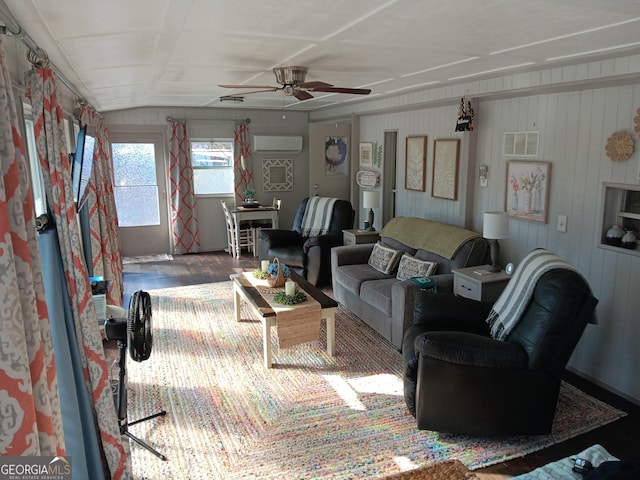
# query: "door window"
[135,184]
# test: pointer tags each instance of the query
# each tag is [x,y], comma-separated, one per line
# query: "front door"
[140,192]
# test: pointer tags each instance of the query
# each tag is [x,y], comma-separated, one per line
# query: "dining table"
[260,212]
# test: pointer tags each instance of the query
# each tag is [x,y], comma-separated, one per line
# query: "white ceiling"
[133,53]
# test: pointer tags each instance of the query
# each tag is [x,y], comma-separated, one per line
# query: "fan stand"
[122,404]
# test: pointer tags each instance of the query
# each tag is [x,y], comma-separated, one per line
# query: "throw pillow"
[384,259]
[412,267]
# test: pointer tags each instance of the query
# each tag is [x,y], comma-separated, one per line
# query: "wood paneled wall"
[574,127]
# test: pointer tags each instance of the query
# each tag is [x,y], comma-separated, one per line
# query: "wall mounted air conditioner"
[277,143]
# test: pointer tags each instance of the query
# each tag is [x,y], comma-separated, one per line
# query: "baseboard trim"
[603,385]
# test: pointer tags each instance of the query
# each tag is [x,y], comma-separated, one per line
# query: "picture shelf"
[621,206]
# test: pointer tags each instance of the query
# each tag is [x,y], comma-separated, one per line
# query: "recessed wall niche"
[620,206]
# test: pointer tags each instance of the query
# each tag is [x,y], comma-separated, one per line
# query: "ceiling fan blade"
[354,91]
[314,85]
[267,89]
[247,86]
[302,95]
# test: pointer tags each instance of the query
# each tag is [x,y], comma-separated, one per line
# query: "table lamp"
[370,200]
[495,227]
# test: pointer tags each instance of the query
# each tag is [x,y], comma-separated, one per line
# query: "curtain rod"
[12,27]
[172,119]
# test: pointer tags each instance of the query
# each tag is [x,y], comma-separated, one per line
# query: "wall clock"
[619,146]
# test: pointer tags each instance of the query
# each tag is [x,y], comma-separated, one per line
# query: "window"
[212,162]
[135,184]
[37,183]
[35,172]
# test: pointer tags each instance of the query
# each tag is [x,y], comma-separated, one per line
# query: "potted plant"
[249,195]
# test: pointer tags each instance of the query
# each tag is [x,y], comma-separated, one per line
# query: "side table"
[478,283]
[356,236]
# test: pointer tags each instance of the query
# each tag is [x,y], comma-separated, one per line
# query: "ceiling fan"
[292,84]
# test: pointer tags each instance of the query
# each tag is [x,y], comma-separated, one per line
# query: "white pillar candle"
[264,264]
[290,288]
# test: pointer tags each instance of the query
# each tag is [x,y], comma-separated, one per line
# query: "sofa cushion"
[412,267]
[396,245]
[443,264]
[351,277]
[384,259]
[377,293]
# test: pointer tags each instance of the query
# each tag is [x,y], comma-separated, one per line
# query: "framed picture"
[366,155]
[336,156]
[521,143]
[445,169]
[484,175]
[415,163]
[528,190]
[277,175]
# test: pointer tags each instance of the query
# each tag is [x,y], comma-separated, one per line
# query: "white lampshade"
[496,225]
[370,199]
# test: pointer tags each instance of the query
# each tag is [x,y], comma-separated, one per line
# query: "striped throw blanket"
[509,307]
[317,216]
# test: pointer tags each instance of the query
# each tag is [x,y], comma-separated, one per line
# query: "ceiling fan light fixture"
[290,75]
[232,98]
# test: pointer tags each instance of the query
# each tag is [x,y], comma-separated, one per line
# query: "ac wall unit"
[277,143]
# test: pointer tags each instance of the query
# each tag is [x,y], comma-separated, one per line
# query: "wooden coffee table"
[248,289]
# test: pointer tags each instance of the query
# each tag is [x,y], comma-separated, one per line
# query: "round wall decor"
[365,178]
[619,146]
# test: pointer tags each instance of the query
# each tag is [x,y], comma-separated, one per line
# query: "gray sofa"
[381,300]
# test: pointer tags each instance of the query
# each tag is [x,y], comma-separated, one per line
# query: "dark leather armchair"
[309,256]
[458,379]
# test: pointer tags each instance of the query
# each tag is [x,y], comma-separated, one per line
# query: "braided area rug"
[311,416]
[447,470]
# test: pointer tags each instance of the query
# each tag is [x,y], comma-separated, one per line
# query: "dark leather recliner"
[458,379]
[309,256]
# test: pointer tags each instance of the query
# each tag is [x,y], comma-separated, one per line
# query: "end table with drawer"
[478,283]
[356,236]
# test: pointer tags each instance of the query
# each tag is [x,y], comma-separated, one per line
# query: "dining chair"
[246,234]
[259,224]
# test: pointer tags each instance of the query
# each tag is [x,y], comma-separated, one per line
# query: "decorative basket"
[279,279]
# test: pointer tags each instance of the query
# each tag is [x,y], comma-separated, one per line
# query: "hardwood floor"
[620,438]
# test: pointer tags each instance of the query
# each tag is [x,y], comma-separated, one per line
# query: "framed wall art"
[277,175]
[528,190]
[366,155]
[445,169]
[415,163]
[336,156]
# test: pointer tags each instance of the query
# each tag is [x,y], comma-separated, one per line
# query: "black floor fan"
[136,332]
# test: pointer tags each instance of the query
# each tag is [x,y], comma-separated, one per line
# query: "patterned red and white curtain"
[242,164]
[56,171]
[184,220]
[106,250]
[31,420]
